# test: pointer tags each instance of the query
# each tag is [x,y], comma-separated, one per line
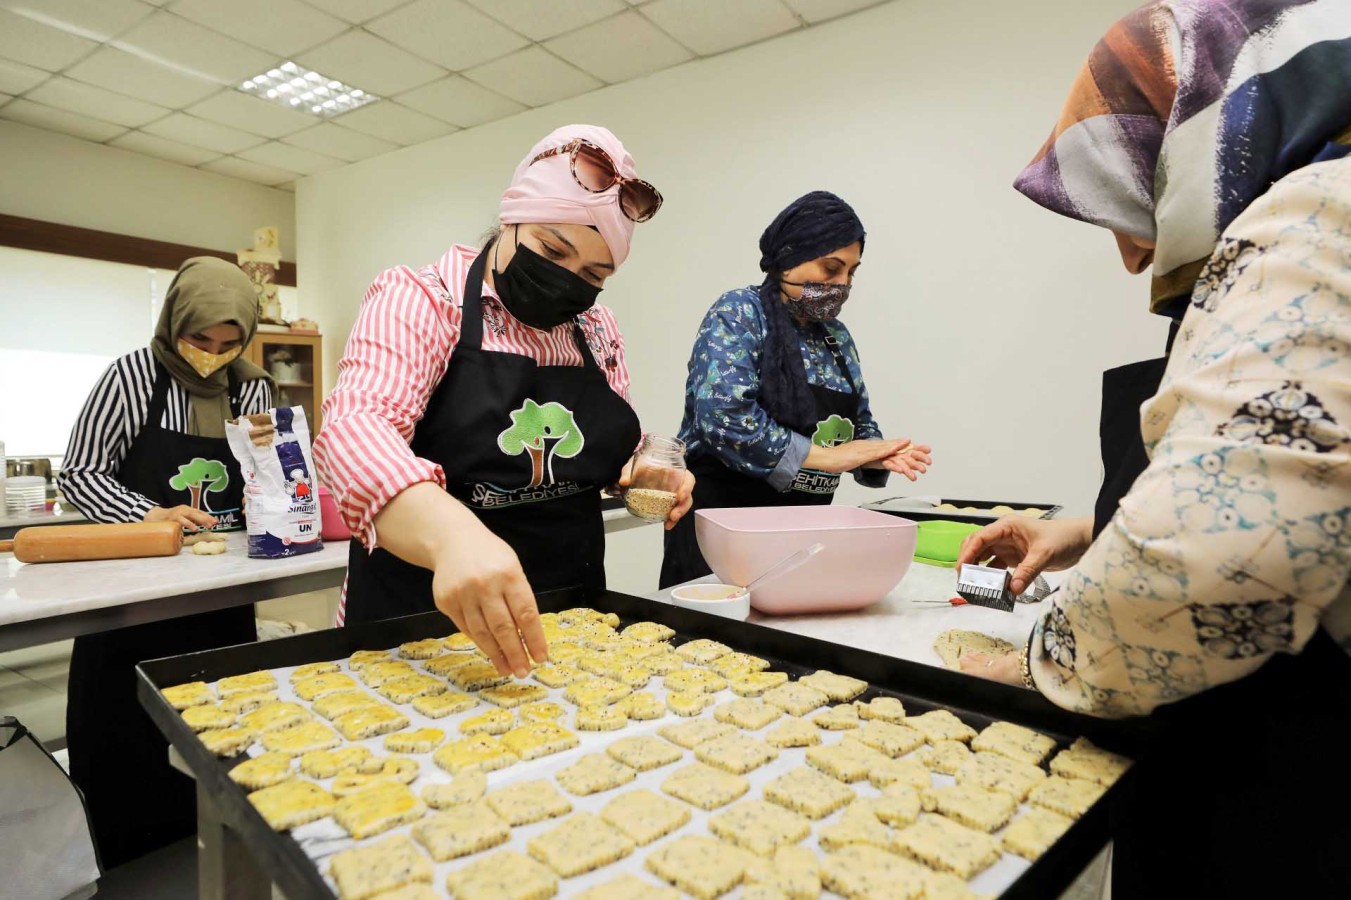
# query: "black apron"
[526,447]
[117,756]
[718,486]
[1245,796]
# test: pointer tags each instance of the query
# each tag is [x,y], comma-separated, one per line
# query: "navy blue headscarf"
[810,227]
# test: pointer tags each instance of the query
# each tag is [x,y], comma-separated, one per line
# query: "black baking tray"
[921,687]
[1051,510]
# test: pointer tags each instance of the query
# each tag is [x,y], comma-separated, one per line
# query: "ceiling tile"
[249,171]
[619,48]
[35,44]
[821,10]
[339,142]
[534,77]
[448,32]
[284,27]
[284,156]
[708,28]
[53,119]
[392,122]
[251,114]
[141,78]
[95,102]
[15,78]
[98,20]
[189,47]
[542,19]
[149,144]
[356,11]
[367,62]
[459,101]
[201,133]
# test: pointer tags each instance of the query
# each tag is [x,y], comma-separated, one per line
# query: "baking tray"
[920,687]
[924,514]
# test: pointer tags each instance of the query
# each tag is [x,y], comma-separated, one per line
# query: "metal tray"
[924,514]
[919,686]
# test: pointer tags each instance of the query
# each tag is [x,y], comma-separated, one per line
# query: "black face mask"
[540,292]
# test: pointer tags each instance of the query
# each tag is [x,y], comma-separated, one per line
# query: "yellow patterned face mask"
[205,363]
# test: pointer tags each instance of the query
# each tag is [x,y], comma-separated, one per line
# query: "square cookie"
[645,816]
[262,771]
[702,651]
[481,752]
[370,721]
[839,688]
[947,846]
[538,739]
[944,757]
[860,871]
[907,771]
[467,787]
[1083,760]
[736,753]
[301,739]
[1033,833]
[628,887]
[747,713]
[476,676]
[594,773]
[705,787]
[884,737]
[504,875]
[848,761]
[691,734]
[510,696]
[809,792]
[527,802]
[365,872]
[461,831]
[378,808]
[796,698]
[449,703]
[701,866]
[644,753]
[1068,796]
[494,721]
[971,806]
[580,844]
[292,803]
[755,684]
[759,827]
[992,772]
[793,732]
[1015,742]
[941,725]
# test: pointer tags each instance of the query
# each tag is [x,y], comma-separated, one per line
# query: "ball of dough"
[209,548]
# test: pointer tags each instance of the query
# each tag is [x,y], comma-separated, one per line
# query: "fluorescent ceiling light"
[296,87]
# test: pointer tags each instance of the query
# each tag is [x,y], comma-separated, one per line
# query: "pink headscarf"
[547,192]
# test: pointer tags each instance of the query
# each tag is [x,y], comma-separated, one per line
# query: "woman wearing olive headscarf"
[150,446]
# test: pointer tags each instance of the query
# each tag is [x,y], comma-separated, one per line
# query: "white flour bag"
[281,498]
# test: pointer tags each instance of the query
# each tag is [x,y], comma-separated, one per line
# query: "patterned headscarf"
[1186,112]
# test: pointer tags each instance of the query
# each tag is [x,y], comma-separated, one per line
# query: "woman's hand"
[191,519]
[1004,668]
[1028,546]
[853,455]
[912,461]
[684,491]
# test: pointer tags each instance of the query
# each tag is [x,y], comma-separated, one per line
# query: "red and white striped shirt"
[397,353]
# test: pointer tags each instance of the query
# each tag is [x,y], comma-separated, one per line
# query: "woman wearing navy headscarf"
[775,405]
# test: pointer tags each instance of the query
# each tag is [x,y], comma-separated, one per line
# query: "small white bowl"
[726,600]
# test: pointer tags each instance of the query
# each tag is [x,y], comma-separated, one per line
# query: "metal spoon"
[783,567]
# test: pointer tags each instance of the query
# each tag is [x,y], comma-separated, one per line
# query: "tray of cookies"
[659,753]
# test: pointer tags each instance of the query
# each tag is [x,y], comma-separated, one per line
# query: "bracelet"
[1025,666]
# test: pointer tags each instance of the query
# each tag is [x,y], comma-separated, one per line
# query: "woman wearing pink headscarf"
[483,402]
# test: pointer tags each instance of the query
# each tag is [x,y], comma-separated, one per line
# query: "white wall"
[57,178]
[983,320]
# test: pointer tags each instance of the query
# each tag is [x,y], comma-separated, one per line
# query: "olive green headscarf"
[207,291]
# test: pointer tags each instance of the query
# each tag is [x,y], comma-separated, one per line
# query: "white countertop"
[66,516]
[900,627]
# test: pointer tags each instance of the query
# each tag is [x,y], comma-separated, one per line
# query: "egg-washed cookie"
[704,786]
[425,649]
[947,846]
[292,804]
[594,773]
[600,718]
[262,771]
[861,871]
[443,665]
[971,806]
[794,871]
[1033,833]
[907,771]
[628,887]
[370,721]
[460,643]
[886,709]
[663,662]
[226,741]
[364,873]
[510,696]
[701,866]
[504,875]
[478,751]
[378,809]
[399,768]
[536,739]
[1015,742]
[377,673]
[200,718]
[641,707]
[854,828]
[528,802]
[747,713]
[991,772]
[795,698]
[301,739]
[330,706]
[580,615]
[884,737]
[596,692]
[809,792]
[755,684]
[1084,760]
[644,816]
[944,757]
[848,761]
[420,740]
[694,680]
[309,670]
[649,632]
[316,686]
[363,658]
[839,688]
[183,696]
[793,732]
[644,753]
[239,684]
[457,832]
[493,721]
[410,687]
[349,783]
[476,676]
[941,725]
[274,716]
[557,674]
[579,844]
[541,711]
[702,651]
[438,706]
[759,827]
[565,652]
[736,753]
[247,702]
[328,763]
[1067,796]
[734,664]
[837,718]
[691,734]
[466,787]
[688,704]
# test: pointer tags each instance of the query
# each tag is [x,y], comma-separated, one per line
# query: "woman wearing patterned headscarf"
[775,405]
[1213,138]
[483,402]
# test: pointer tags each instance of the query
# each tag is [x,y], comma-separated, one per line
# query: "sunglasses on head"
[595,171]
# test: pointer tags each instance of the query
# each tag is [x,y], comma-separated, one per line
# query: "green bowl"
[939,541]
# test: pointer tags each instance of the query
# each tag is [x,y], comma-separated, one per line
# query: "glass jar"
[655,474]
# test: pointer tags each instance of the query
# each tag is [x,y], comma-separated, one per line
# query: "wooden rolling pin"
[69,543]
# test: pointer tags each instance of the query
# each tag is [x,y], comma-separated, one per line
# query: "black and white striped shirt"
[112,417]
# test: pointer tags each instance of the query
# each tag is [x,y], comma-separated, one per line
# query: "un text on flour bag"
[281,499]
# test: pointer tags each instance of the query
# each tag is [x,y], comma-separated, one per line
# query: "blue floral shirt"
[723,416]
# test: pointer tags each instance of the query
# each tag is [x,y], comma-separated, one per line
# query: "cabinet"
[296,363]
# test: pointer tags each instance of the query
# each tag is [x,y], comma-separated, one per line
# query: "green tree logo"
[199,477]
[544,432]
[833,431]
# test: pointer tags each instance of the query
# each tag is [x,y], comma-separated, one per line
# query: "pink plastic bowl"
[332,528]
[866,554]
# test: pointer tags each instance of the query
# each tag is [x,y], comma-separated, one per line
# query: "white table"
[60,515]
